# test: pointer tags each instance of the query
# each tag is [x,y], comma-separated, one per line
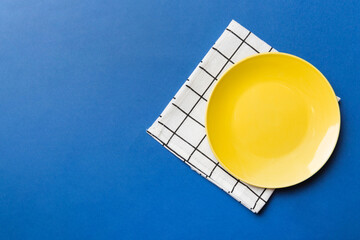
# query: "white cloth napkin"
[180,127]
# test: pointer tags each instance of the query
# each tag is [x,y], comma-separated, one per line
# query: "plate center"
[270,119]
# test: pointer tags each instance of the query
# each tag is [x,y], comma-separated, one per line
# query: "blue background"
[82,80]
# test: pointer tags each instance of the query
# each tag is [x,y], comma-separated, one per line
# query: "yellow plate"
[272,120]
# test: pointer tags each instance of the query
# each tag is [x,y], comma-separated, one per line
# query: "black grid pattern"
[187,140]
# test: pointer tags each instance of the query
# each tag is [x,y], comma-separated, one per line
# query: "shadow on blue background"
[82,80]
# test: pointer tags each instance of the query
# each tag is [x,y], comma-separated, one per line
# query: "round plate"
[272,120]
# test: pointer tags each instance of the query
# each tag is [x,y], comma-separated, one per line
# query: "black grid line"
[186,114]
[202,68]
[196,92]
[196,148]
[175,153]
[243,40]
[217,50]
[238,181]
[158,139]
[175,134]
[271,49]
[206,156]
[259,198]
[213,169]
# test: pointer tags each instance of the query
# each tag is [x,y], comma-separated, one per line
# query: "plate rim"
[332,93]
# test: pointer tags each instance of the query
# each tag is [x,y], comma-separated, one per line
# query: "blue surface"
[82,80]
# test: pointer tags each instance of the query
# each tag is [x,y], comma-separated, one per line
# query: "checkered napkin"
[180,127]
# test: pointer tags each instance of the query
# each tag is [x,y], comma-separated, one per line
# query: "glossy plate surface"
[272,120]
